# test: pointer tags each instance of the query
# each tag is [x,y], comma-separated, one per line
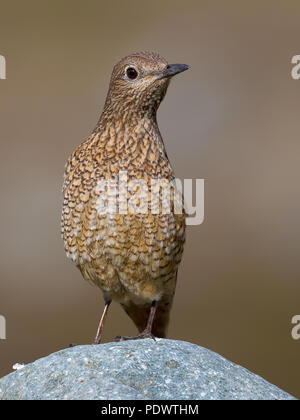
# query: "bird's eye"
[131,73]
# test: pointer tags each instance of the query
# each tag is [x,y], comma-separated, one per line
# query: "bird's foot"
[144,334]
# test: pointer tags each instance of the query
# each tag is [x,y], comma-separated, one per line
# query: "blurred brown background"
[232,119]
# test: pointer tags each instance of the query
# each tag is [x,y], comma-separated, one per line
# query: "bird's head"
[139,83]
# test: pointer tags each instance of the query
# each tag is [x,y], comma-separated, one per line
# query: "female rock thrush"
[119,240]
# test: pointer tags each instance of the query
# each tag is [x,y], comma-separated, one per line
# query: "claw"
[141,336]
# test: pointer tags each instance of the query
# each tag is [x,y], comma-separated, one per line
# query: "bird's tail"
[140,314]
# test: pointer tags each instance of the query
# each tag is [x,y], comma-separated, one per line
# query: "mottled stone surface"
[142,369]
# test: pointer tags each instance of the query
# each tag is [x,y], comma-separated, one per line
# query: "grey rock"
[136,370]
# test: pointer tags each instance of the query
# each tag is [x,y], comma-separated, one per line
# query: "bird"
[132,255]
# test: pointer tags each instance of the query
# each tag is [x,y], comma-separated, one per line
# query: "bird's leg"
[153,308]
[147,331]
[101,323]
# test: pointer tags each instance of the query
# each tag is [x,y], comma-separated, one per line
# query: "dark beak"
[172,69]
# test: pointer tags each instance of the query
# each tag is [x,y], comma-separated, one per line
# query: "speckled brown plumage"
[133,258]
